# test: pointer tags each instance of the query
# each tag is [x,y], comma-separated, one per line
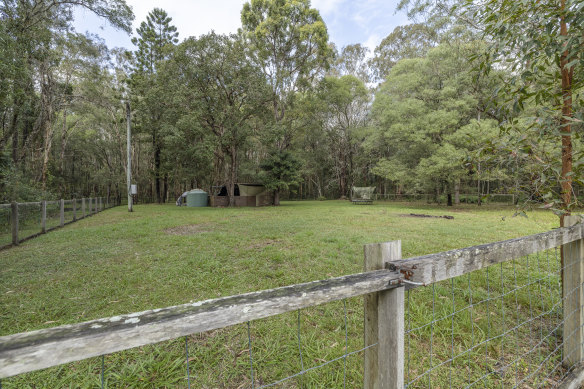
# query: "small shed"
[362,195]
[246,195]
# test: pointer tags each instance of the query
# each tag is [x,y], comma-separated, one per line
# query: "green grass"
[116,262]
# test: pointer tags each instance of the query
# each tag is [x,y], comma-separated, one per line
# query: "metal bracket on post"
[384,324]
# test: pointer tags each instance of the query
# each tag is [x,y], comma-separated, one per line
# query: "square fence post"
[74,209]
[89,206]
[384,324]
[83,207]
[14,216]
[62,213]
[573,295]
[43,216]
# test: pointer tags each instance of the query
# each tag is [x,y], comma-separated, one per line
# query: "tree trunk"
[457,192]
[232,175]
[277,197]
[566,120]
[156,147]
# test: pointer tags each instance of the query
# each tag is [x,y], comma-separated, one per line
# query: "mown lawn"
[118,262]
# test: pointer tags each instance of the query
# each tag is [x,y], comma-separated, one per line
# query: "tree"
[289,42]
[221,88]
[155,41]
[30,33]
[346,103]
[280,171]
[423,102]
[409,41]
[541,44]
[352,60]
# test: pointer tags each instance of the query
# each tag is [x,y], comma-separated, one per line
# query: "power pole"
[129,150]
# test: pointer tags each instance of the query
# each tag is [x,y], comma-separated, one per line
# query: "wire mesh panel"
[29,219]
[497,327]
[53,214]
[68,211]
[5,225]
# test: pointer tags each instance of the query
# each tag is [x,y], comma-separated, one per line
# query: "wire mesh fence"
[503,326]
[20,221]
[497,327]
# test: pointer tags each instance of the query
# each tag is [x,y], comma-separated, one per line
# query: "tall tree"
[223,91]
[541,44]
[155,41]
[289,41]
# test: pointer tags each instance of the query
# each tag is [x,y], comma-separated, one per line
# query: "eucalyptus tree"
[541,45]
[346,102]
[30,31]
[289,41]
[155,42]
[219,88]
[416,110]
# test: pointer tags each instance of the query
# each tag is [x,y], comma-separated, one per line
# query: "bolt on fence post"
[74,209]
[62,213]
[384,324]
[14,206]
[43,216]
[573,293]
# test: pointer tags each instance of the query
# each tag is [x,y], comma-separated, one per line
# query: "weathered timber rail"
[382,284]
[35,350]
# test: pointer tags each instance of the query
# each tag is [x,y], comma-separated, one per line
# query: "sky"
[348,21]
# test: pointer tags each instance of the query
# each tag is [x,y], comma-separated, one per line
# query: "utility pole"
[129,150]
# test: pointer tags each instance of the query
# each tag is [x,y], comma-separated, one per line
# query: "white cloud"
[371,43]
[194,17]
[327,6]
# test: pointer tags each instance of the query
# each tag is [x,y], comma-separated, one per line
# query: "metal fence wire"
[498,327]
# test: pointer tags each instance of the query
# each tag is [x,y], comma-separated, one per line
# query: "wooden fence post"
[573,274]
[14,206]
[62,213]
[43,216]
[83,206]
[74,209]
[384,324]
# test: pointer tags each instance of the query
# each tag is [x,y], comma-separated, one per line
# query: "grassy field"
[116,262]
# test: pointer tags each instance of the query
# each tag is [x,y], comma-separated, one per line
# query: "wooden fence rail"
[70,205]
[382,284]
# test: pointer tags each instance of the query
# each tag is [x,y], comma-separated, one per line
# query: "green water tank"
[197,198]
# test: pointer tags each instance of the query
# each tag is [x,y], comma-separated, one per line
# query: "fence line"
[516,335]
[23,221]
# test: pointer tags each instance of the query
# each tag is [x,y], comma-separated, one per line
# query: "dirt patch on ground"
[263,243]
[189,229]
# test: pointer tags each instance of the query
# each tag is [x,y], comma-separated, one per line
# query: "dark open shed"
[246,195]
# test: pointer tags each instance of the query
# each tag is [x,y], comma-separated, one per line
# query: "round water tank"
[197,198]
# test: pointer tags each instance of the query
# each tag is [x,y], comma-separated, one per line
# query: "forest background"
[470,98]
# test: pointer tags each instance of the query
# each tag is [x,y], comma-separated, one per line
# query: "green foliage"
[280,170]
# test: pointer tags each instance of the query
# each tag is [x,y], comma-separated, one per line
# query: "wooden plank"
[14,220]
[36,350]
[384,324]
[574,380]
[83,207]
[573,314]
[427,269]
